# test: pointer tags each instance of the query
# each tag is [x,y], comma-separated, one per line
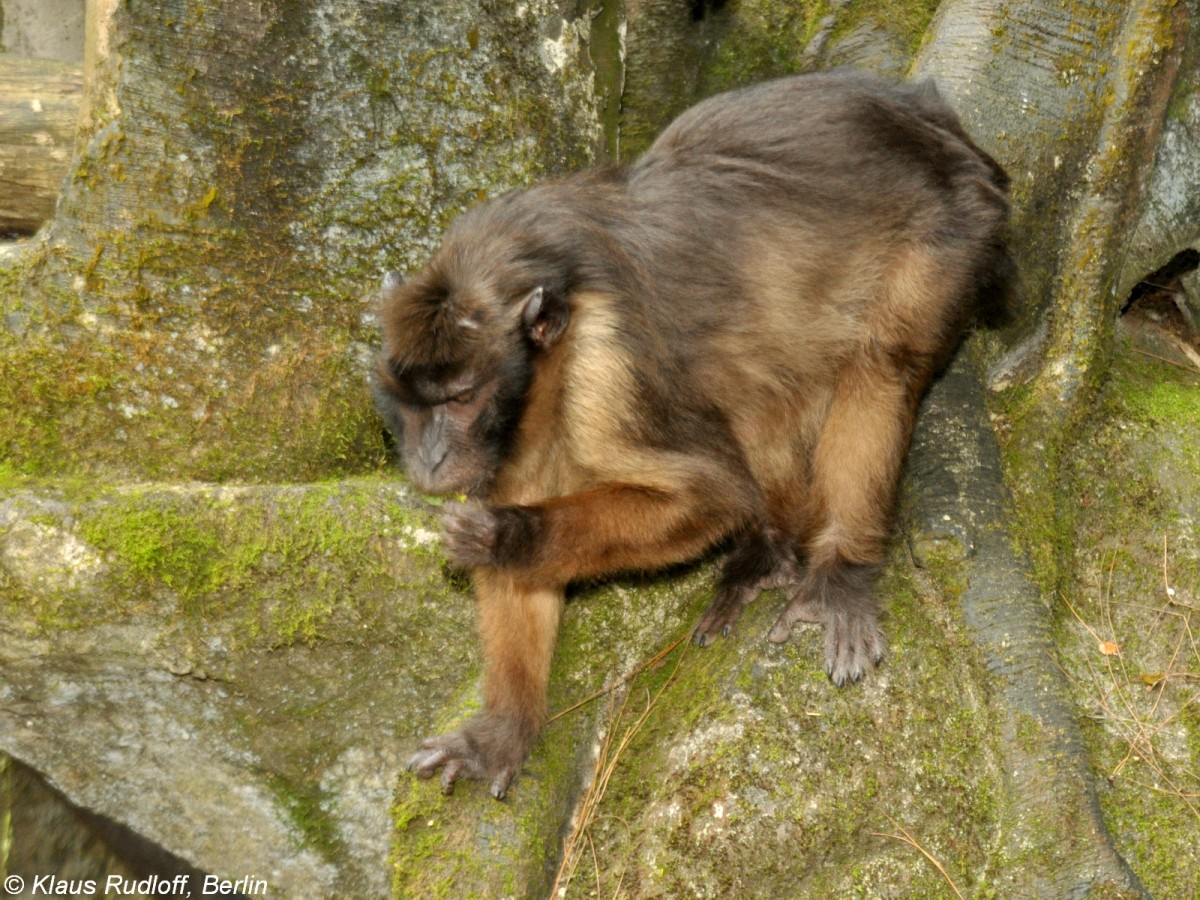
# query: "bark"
[39,106]
[1073,99]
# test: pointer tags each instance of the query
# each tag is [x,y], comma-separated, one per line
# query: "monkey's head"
[459,343]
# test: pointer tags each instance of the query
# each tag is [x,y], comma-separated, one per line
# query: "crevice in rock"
[1161,314]
[53,840]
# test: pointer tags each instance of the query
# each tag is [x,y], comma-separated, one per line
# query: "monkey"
[723,342]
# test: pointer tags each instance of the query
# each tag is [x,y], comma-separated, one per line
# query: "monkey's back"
[789,227]
[796,200]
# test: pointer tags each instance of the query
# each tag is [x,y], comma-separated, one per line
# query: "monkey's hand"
[480,535]
[488,748]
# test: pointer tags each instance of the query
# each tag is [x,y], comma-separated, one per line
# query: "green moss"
[472,845]
[1134,476]
[1157,396]
[749,746]
[304,803]
[907,19]
[216,329]
[128,386]
[304,565]
[606,56]
[1030,454]
[154,541]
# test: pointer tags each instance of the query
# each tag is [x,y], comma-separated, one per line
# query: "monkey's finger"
[501,782]
[470,532]
[450,775]
[427,760]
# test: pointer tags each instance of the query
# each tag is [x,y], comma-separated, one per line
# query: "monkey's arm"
[518,622]
[522,556]
[609,528]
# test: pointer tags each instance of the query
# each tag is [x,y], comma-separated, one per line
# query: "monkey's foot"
[841,599]
[722,613]
[767,553]
[486,749]
[853,645]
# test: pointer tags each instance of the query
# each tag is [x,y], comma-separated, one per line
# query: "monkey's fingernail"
[501,783]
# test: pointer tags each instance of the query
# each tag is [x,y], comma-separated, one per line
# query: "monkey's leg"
[856,464]
[518,624]
[759,561]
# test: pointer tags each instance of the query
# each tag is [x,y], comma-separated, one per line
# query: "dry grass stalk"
[1172,362]
[607,759]
[912,842]
[1121,702]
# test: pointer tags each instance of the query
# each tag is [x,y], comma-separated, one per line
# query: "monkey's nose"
[434,445]
[432,455]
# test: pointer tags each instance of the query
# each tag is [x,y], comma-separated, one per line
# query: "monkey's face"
[454,374]
[445,419]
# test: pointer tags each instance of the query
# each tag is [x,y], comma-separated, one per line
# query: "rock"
[234,675]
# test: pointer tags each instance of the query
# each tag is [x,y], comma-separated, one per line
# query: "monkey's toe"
[428,760]
[501,782]
[853,646]
[450,773]
[708,628]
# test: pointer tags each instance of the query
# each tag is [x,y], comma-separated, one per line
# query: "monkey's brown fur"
[727,339]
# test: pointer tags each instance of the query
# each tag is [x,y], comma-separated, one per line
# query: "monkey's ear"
[545,318]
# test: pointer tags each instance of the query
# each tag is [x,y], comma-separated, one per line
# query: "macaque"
[724,342]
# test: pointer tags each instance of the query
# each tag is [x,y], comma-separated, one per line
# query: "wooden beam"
[39,108]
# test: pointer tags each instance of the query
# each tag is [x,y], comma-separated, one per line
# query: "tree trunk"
[1074,100]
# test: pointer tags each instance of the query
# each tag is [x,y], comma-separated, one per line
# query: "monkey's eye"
[464,397]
